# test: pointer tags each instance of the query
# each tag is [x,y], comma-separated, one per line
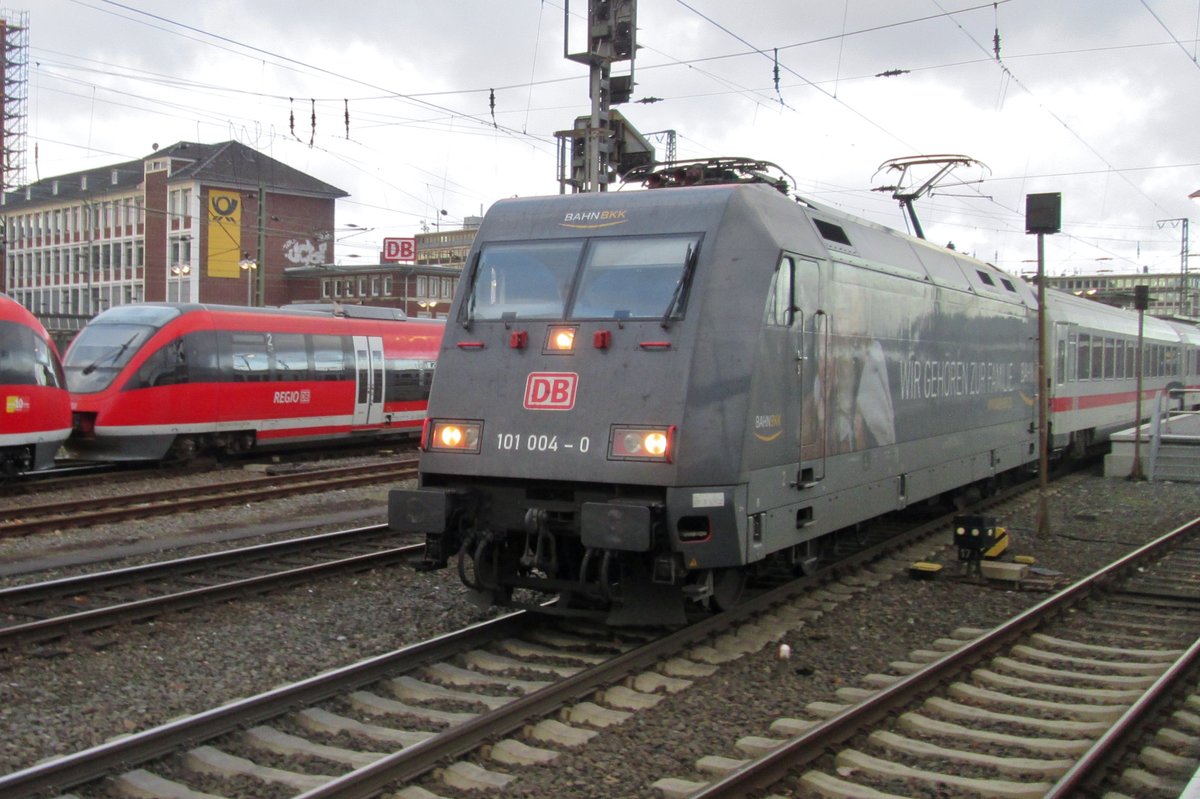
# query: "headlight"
[630,443]
[560,339]
[445,435]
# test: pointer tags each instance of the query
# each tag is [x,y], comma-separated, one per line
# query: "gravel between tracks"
[75,695]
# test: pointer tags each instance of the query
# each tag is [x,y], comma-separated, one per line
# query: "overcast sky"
[1096,99]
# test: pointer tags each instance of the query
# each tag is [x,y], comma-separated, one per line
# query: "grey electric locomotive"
[642,394]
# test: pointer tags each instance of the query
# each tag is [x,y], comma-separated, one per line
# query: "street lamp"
[249,265]
[180,272]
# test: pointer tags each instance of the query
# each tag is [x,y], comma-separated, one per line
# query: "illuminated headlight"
[453,436]
[629,443]
[560,338]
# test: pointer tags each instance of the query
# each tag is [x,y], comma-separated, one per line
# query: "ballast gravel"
[70,695]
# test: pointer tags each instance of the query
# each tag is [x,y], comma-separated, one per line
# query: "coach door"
[368,377]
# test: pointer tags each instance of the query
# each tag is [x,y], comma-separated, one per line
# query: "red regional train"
[163,381]
[37,413]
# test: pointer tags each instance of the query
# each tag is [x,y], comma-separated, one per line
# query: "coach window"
[329,361]
[408,380]
[1097,358]
[1072,350]
[248,352]
[166,367]
[200,349]
[1120,358]
[1085,356]
[1130,360]
[289,360]
[1109,358]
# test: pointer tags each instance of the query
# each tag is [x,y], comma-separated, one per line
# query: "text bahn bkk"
[642,395]
[161,381]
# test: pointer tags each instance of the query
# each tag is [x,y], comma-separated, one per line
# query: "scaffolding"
[14,32]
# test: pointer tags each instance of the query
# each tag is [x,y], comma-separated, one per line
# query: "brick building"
[423,288]
[214,223]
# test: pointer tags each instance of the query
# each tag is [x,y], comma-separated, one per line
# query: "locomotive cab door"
[810,333]
[368,379]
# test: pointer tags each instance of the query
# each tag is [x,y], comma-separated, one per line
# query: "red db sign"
[399,249]
[550,391]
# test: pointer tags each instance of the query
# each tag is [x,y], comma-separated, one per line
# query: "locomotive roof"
[843,237]
[315,310]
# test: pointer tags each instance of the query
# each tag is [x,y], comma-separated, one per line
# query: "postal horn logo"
[224,206]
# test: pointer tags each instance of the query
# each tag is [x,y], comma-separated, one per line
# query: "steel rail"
[1116,740]
[137,610]
[411,762]
[153,503]
[61,774]
[64,773]
[815,742]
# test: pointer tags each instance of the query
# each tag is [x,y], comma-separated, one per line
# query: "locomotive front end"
[562,402]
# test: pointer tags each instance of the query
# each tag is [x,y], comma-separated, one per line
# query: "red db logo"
[550,391]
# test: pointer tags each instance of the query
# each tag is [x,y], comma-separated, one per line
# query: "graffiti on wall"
[303,252]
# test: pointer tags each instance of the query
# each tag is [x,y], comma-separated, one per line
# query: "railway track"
[40,612]
[1050,704]
[81,513]
[464,710]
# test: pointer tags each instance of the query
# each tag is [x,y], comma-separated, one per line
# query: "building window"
[387,287]
[325,288]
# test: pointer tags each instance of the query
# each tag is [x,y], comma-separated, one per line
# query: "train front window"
[524,281]
[642,277]
[26,360]
[99,352]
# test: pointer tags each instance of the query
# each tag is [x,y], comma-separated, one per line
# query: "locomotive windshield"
[640,277]
[103,347]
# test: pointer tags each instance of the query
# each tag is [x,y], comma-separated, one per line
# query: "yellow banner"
[224,233]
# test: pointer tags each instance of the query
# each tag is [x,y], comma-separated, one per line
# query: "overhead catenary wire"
[367,119]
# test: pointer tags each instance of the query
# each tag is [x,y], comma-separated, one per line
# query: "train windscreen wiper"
[681,287]
[112,356]
[466,311]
